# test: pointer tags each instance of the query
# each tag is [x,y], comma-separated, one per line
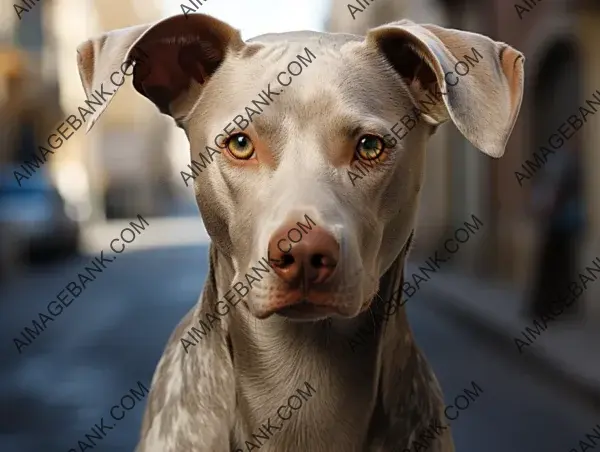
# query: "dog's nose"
[309,256]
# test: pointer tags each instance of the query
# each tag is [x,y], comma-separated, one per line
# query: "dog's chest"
[317,410]
[301,423]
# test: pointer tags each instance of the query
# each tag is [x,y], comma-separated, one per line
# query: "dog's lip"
[307,311]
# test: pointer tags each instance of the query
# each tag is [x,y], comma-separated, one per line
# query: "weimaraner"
[234,364]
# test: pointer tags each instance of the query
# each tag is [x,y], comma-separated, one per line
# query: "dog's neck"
[371,358]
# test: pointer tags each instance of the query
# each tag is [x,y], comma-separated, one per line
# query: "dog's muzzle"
[305,270]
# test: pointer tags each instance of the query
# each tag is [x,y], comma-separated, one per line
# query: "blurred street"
[112,337]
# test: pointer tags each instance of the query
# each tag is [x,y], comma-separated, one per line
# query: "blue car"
[33,219]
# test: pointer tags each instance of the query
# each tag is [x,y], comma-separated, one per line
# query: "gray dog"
[307,162]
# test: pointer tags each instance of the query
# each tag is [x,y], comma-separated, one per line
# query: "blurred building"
[562,70]
[122,167]
[29,95]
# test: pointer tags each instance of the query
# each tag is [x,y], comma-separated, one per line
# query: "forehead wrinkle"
[271,52]
[296,108]
[334,113]
[312,108]
[368,80]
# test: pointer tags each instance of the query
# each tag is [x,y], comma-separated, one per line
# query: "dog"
[288,168]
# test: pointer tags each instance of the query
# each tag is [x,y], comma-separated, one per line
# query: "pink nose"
[300,255]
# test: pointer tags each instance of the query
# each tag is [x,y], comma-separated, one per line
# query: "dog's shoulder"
[193,389]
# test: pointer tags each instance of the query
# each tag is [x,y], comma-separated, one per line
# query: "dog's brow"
[266,129]
[352,129]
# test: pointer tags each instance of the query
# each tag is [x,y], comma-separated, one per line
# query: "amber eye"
[240,146]
[370,147]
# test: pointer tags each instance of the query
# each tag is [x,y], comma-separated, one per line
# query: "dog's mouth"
[307,311]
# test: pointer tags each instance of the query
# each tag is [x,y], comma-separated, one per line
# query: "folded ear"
[171,60]
[479,80]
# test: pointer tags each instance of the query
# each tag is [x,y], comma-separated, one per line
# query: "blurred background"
[536,235]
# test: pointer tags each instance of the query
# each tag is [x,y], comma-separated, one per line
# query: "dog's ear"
[479,80]
[173,59]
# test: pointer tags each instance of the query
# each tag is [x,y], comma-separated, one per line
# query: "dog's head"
[308,148]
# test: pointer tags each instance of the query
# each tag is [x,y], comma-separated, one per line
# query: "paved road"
[112,335]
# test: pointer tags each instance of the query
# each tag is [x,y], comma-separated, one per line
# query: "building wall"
[589,23]
[380,12]
[538,32]
[28,88]
[8,20]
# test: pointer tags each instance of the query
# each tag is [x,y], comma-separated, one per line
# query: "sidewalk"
[570,347]
[162,232]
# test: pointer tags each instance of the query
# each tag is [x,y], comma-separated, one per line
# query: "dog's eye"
[240,146]
[370,147]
